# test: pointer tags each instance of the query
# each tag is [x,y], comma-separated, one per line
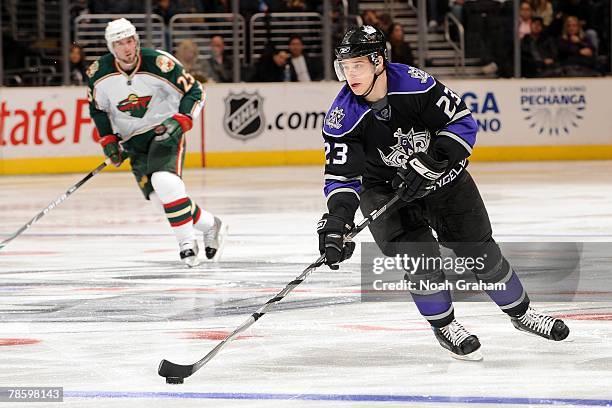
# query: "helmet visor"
[353,68]
[339,71]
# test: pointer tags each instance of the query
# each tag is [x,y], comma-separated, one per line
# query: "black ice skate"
[213,239]
[462,344]
[541,325]
[189,253]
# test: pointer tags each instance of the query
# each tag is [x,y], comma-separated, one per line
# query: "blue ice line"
[340,397]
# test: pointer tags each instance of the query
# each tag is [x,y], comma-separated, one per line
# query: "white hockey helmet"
[118,30]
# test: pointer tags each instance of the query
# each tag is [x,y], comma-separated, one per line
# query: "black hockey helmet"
[362,41]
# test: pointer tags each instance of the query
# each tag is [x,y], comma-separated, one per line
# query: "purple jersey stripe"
[465,128]
[331,185]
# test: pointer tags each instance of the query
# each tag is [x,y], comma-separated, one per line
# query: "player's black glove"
[419,176]
[170,130]
[332,230]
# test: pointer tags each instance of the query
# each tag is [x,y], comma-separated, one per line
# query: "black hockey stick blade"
[174,373]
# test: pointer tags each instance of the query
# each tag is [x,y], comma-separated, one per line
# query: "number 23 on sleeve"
[335,153]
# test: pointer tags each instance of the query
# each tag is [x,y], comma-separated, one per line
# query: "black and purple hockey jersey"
[366,143]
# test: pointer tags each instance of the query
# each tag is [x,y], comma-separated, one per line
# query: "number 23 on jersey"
[335,153]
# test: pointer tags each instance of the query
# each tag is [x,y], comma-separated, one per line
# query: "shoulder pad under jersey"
[345,113]
[150,53]
[157,61]
[405,79]
[101,67]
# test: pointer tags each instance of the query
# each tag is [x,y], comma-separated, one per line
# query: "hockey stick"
[55,203]
[176,373]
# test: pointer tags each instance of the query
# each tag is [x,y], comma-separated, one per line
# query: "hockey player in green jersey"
[143,102]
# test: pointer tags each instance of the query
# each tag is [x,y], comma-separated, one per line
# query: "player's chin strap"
[371,88]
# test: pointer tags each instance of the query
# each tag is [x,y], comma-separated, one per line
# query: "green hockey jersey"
[129,104]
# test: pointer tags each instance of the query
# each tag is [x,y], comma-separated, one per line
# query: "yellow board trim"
[300,157]
[536,153]
[264,158]
[481,153]
[52,165]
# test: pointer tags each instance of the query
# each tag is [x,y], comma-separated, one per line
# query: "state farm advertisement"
[54,122]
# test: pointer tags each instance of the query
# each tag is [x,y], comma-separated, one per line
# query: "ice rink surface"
[93,297]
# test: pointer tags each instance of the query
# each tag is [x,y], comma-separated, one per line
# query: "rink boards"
[49,130]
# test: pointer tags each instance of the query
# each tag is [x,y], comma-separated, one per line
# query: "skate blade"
[473,356]
[568,339]
[191,263]
[222,235]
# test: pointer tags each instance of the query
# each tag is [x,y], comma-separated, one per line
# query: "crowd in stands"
[558,37]
[168,8]
[561,40]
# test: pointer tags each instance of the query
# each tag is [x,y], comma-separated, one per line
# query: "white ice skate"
[214,239]
[189,253]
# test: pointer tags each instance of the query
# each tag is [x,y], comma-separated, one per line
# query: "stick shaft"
[54,204]
[290,286]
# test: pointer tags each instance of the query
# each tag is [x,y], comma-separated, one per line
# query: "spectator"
[274,6]
[303,69]
[581,9]
[78,66]
[538,52]
[190,6]
[216,6]
[456,7]
[218,67]
[385,22]
[543,9]
[272,66]
[576,52]
[370,17]
[166,9]
[525,15]
[577,8]
[400,49]
[77,8]
[295,6]
[187,54]
[115,7]
[436,9]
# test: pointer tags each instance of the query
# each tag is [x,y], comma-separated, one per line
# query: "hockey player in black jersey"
[394,129]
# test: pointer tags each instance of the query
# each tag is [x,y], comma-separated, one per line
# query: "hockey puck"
[174,380]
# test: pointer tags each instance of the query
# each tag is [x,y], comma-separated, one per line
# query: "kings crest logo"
[243,117]
[334,119]
[134,105]
[407,144]
[416,73]
[553,111]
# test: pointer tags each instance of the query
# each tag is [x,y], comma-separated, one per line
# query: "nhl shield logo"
[244,117]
